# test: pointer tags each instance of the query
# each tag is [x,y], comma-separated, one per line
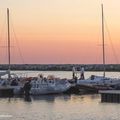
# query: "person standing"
[73,70]
[27,87]
[82,74]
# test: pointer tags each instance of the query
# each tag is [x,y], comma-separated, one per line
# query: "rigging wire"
[17,42]
[111,43]
[2,39]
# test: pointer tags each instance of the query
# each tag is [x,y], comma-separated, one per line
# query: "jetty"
[112,96]
[61,67]
[6,91]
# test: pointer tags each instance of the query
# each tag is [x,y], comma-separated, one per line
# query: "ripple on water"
[59,107]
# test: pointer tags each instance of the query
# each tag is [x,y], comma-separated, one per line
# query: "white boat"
[6,83]
[100,80]
[38,86]
[49,85]
[15,83]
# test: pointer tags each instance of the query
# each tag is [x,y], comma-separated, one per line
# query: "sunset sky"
[60,31]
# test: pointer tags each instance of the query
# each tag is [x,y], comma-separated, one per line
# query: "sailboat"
[7,83]
[39,85]
[103,81]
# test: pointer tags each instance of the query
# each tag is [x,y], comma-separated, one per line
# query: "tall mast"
[9,62]
[103,40]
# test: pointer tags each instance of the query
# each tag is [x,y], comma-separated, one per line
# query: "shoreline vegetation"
[61,67]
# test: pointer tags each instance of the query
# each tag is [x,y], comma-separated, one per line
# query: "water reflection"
[51,98]
[62,107]
[48,98]
[27,98]
[62,97]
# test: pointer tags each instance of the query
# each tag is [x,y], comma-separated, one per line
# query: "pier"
[112,96]
[6,91]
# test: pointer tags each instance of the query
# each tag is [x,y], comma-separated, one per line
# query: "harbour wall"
[61,67]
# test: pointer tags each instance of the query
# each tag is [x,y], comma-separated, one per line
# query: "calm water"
[59,107]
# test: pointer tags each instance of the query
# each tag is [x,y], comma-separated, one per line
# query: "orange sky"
[60,31]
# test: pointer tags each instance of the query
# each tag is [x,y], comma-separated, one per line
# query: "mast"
[103,41]
[8,27]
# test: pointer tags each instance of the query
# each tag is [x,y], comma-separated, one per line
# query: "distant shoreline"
[61,67]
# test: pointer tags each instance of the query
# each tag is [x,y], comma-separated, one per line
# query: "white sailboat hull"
[49,89]
[99,80]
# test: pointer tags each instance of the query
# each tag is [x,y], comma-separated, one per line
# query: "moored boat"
[102,81]
[49,85]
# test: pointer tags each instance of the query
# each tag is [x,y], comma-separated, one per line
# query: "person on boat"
[82,73]
[27,87]
[92,77]
[14,82]
[75,79]
[73,70]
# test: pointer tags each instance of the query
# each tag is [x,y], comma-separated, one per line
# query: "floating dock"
[6,91]
[112,96]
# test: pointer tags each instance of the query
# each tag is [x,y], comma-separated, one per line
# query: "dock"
[6,91]
[112,96]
